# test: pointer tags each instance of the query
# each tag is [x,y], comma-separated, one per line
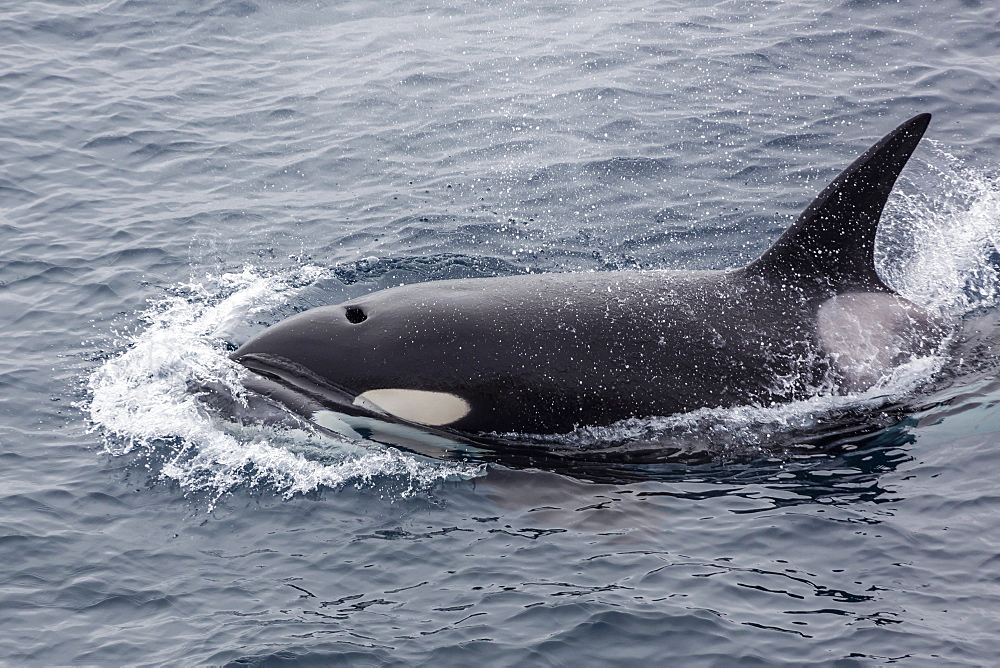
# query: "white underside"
[388,433]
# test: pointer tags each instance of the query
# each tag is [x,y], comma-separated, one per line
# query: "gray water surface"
[176,176]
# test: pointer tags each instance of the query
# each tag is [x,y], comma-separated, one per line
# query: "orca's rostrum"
[545,353]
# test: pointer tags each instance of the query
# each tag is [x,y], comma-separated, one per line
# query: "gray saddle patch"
[868,334]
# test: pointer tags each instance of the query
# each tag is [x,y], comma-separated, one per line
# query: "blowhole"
[355,314]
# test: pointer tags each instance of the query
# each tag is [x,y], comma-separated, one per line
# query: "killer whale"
[544,353]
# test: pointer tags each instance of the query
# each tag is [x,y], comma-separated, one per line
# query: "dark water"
[175,176]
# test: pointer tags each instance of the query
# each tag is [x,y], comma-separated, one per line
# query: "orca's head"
[390,353]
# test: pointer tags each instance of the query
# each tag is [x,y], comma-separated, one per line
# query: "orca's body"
[544,353]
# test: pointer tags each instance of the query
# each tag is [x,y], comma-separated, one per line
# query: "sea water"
[174,177]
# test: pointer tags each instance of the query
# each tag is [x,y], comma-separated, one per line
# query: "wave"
[141,404]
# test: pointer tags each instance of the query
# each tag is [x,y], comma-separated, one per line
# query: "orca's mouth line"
[335,409]
[298,388]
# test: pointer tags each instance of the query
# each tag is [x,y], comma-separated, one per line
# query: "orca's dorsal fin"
[833,240]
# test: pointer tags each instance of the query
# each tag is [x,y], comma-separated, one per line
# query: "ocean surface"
[175,176]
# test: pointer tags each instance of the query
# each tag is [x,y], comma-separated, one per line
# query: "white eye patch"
[431,408]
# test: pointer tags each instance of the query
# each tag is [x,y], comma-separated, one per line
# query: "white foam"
[141,403]
[940,234]
[752,426]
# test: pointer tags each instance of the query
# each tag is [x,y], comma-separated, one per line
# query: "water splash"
[939,239]
[751,429]
[141,403]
